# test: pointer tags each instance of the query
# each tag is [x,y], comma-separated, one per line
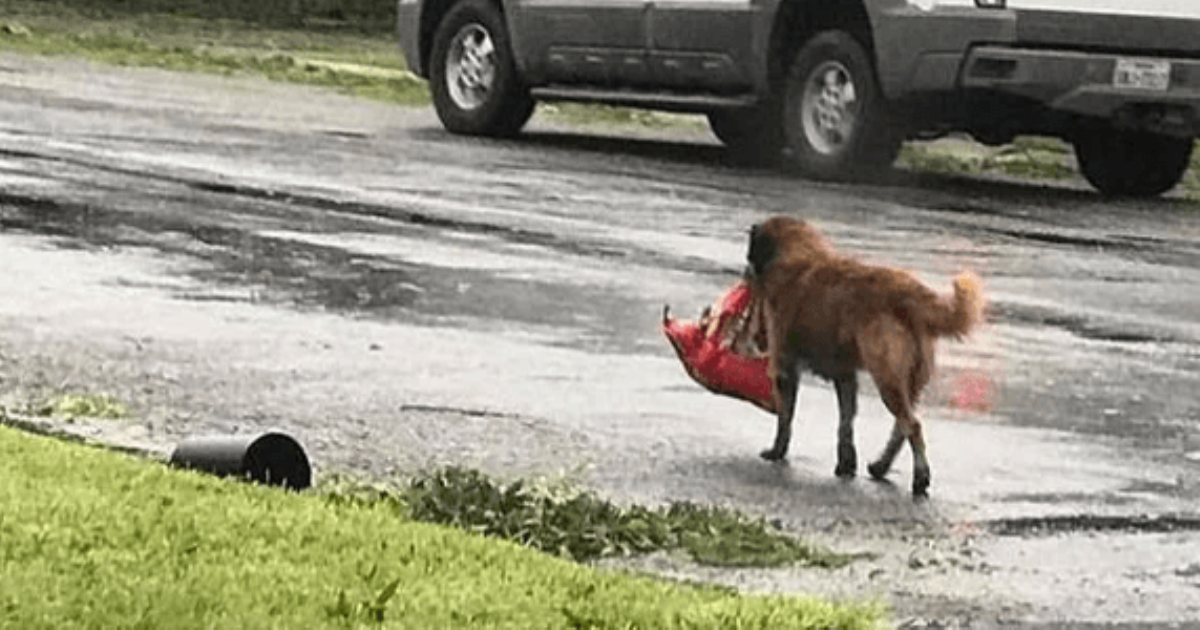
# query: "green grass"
[93,539]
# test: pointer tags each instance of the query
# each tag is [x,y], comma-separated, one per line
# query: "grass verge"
[90,538]
[1027,157]
[1030,158]
[367,16]
[354,63]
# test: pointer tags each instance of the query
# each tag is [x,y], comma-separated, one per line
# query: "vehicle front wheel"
[1132,163]
[836,119]
[473,78]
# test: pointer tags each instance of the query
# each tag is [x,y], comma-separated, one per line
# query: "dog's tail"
[957,314]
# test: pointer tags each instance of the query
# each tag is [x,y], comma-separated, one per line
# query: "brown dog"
[833,315]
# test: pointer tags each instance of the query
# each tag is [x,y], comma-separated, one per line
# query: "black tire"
[753,136]
[472,75]
[836,120]
[1132,163]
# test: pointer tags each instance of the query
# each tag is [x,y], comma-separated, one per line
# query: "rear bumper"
[1056,62]
[1083,84]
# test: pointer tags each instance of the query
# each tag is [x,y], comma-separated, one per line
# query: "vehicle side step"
[670,101]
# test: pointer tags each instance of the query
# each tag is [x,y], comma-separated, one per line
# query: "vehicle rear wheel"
[1132,163]
[836,120]
[751,135]
[473,78]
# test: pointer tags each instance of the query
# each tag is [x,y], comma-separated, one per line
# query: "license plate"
[1143,74]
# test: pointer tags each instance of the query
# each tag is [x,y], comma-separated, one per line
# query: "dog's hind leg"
[880,467]
[921,476]
[911,427]
[883,350]
[919,374]
[906,427]
[787,384]
[896,364]
[847,393]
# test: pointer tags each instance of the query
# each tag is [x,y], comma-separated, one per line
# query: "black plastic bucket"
[273,459]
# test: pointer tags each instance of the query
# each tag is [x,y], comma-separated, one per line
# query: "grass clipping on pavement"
[91,538]
[564,520]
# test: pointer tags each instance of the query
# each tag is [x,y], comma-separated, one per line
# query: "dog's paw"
[847,465]
[878,470]
[773,455]
[920,486]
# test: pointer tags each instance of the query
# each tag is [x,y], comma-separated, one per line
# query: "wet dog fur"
[834,316]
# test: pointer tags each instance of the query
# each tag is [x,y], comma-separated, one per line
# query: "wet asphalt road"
[235,255]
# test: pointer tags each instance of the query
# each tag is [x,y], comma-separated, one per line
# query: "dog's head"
[760,253]
[780,237]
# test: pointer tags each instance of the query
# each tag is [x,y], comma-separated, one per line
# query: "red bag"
[714,354]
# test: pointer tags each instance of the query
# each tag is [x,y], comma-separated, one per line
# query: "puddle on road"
[1148,249]
[1053,525]
[427,277]
[459,253]
[1083,326]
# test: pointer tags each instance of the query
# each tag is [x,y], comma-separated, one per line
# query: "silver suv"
[833,87]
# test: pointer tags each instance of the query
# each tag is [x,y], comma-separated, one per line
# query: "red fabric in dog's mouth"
[709,354]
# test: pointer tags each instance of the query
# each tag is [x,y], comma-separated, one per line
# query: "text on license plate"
[1142,74]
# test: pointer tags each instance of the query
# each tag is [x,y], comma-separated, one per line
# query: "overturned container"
[272,458]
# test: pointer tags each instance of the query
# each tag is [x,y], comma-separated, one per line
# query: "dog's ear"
[760,253]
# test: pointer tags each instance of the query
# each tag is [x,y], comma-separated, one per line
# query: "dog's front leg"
[787,383]
[847,456]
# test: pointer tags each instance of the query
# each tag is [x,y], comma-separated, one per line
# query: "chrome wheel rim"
[471,67]
[829,108]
